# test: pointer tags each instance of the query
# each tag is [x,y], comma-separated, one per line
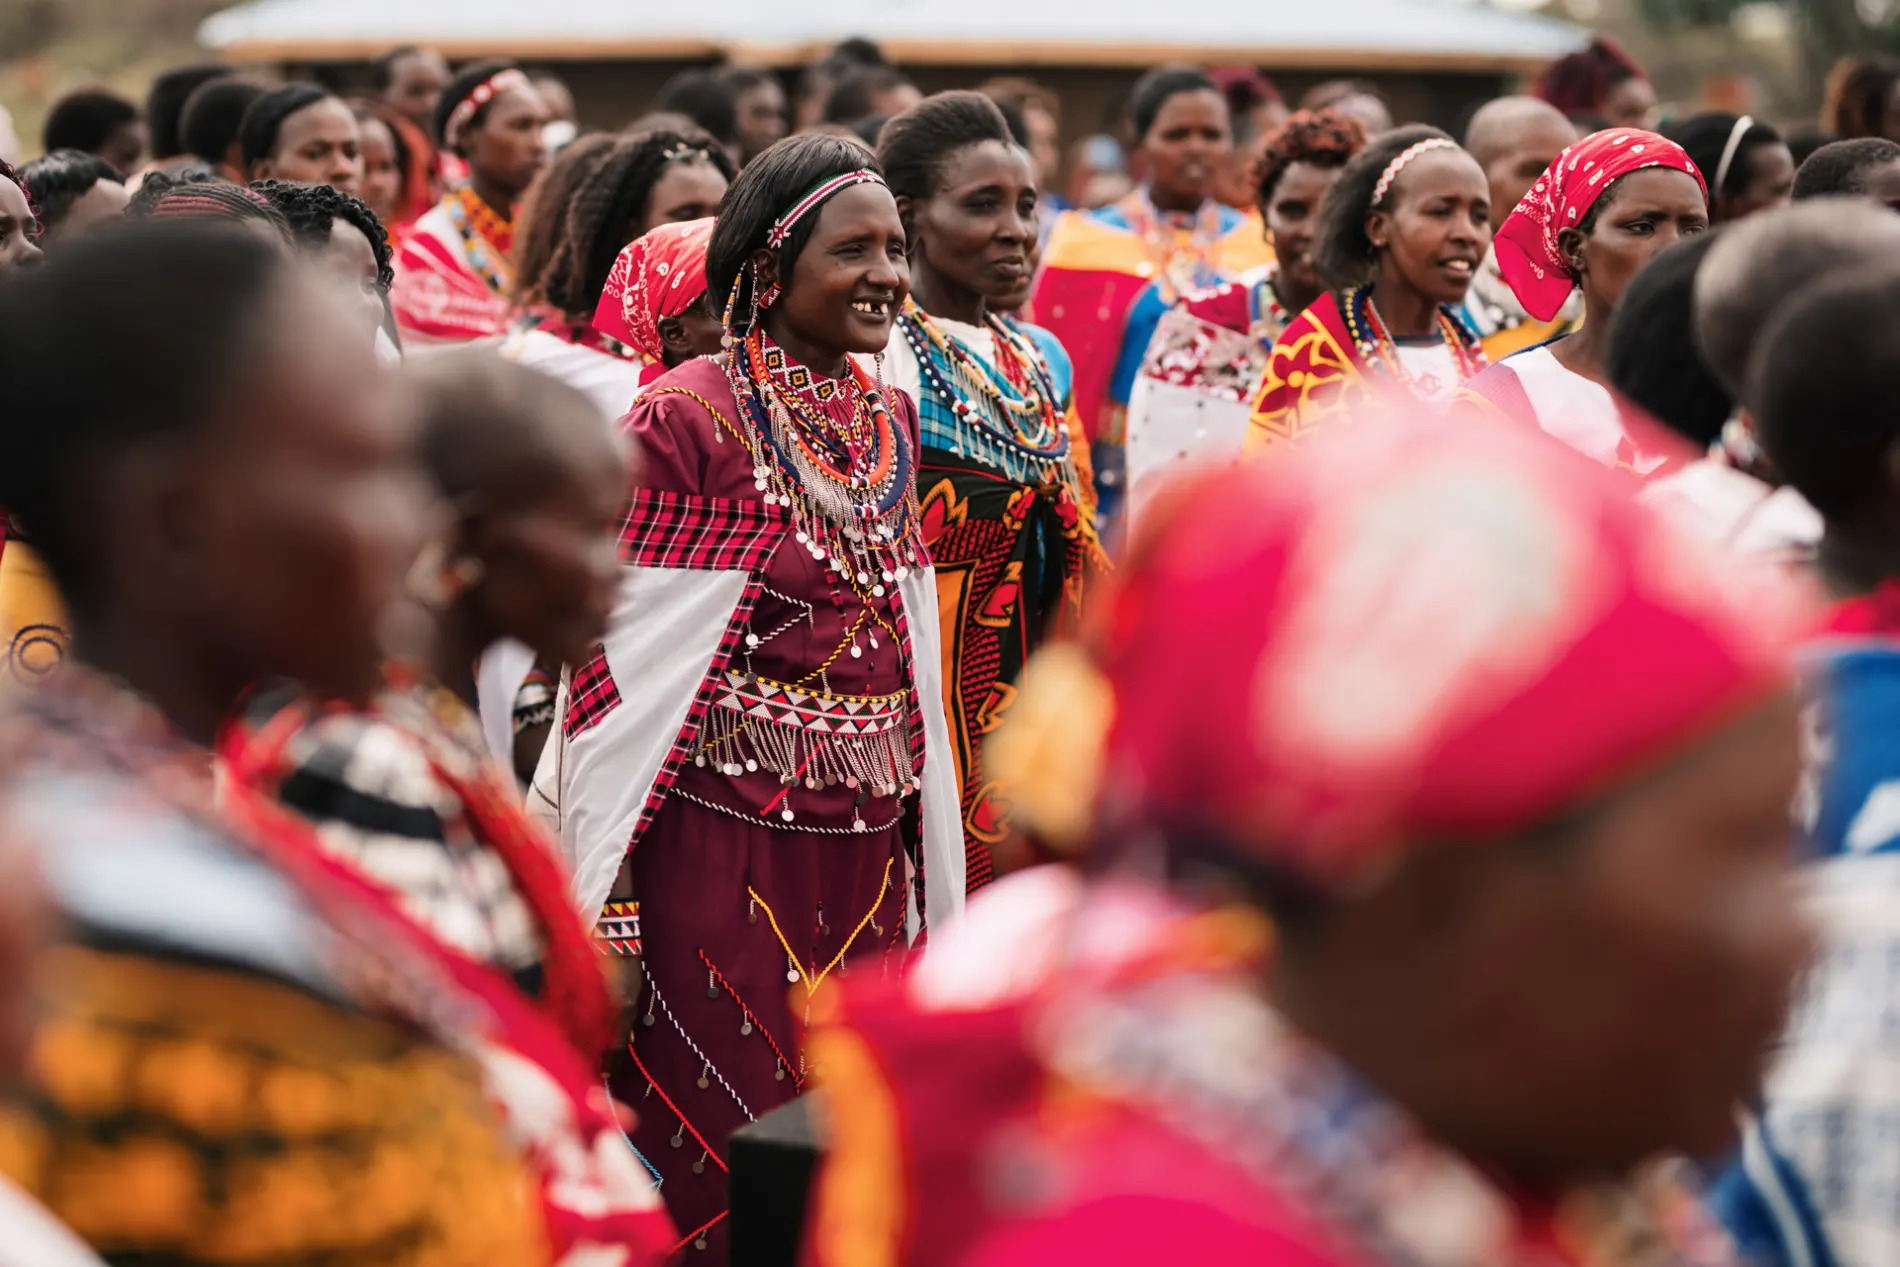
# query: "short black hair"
[1343,254]
[1824,377]
[613,199]
[312,212]
[85,120]
[709,100]
[382,71]
[264,119]
[765,190]
[915,145]
[165,104]
[128,340]
[854,97]
[1152,91]
[1841,167]
[157,184]
[743,79]
[1653,357]
[460,87]
[1705,136]
[856,50]
[1803,142]
[209,126]
[58,180]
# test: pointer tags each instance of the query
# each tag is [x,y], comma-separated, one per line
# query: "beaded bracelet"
[617,931]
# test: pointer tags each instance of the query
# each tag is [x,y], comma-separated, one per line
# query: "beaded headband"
[1728,153]
[1397,165]
[782,227]
[483,93]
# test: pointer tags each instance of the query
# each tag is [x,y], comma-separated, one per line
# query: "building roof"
[1357,34]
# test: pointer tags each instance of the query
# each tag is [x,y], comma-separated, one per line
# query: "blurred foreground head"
[202,447]
[1508,762]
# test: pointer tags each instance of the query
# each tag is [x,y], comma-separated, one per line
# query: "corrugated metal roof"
[1366,33]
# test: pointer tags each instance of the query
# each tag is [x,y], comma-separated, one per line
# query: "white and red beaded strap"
[486,91]
[1397,165]
[782,227]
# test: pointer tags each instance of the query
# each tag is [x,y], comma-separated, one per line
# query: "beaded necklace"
[486,236]
[828,451]
[1180,267]
[1270,315]
[1377,347]
[1007,417]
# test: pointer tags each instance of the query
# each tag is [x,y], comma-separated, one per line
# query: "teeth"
[870,307]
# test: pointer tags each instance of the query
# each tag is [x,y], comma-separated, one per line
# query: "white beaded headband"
[483,93]
[1735,136]
[1397,165]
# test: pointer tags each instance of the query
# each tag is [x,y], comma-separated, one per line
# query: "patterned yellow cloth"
[32,616]
[191,1114]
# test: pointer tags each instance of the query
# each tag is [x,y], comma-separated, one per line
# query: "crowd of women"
[1204,732]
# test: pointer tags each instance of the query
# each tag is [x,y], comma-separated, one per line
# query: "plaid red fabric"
[713,534]
[592,696]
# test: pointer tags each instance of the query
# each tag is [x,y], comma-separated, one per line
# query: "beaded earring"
[770,296]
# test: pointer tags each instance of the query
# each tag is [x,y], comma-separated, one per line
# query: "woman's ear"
[1570,242]
[1379,229]
[673,335]
[765,268]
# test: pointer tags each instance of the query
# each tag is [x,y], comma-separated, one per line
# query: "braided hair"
[1578,82]
[611,208]
[216,200]
[540,224]
[312,212]
[1318,138]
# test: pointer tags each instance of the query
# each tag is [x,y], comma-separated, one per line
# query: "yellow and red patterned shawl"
[1314,371]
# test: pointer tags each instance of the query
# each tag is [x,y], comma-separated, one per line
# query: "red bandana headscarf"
[1414,632]
[660,275]
[1527,243]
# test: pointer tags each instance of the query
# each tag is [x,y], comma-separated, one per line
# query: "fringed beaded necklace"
[487,238]
[1377,347]
[828,451]
[1007,416]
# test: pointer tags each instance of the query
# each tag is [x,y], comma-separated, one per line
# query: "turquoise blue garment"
[938,425]
[1818,1177]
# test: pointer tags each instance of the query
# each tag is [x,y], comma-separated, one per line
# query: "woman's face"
[1186,147]
[852,277]
[506,149]
[689,189]
[973,234]
[1290,215]
[307,504]
[551,570]
[349,258]
[102,204]
[1436,227]
[17,228]
[1641,214]
[416,81]
[1631,104]
[381,186]
[761,110]
[317,145]
[1769,183]
[696,332]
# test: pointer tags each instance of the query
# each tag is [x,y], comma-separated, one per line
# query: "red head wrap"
[1527,243]
[660,275]
[1414,631]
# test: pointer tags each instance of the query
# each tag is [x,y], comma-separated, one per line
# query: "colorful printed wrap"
[1013,560]
[1118,269]
[451,273]
[662,274]
[1087,1073]
[1323,367]
[1526,244]
[1813,1181]
[32,615]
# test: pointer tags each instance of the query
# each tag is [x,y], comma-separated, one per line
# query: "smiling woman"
[1006,507]
[762,732]
[1400,236]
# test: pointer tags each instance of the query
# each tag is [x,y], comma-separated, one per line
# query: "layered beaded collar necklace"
[828,451]
[1181,246]
[1377,347]
[1007,416]
[486,237]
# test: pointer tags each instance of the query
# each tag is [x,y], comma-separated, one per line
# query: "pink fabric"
[1527,243]
[1414,630]
[659,275]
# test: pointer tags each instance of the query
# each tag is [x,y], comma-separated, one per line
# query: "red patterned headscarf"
[660,275]
[1409,632]
[1527,243]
